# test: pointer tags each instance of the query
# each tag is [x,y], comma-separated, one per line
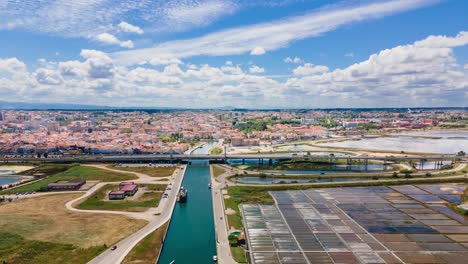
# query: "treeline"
[251,125]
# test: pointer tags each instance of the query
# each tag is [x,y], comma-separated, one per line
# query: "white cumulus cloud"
[110,39]
[257,51]
[255,69]
[423,73]
[129,28]
[295,60]
[310,69]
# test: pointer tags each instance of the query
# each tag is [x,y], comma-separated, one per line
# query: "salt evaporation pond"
[444,142]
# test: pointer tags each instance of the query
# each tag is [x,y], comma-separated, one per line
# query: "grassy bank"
[150,171]
[75,171]
[148,249]
[216,151]
[239,195]
[149,199]
[238,254]
[217,170]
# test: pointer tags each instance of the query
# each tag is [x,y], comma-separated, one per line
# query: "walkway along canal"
[191,236]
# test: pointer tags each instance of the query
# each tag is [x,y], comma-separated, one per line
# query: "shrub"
[233,240]
[406,171]
[446,167]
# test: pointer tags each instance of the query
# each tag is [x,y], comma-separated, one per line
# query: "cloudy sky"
[213,53]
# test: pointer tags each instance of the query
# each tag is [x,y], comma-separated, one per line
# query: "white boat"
[209,185]
[215,258]
[172,262]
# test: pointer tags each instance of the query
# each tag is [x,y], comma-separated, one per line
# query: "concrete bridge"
[262,158]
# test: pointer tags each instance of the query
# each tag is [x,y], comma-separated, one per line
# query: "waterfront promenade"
[222,242]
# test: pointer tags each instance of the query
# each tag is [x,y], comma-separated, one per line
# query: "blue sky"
[211,53]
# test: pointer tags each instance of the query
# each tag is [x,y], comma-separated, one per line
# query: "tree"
[461,153]
[232,240]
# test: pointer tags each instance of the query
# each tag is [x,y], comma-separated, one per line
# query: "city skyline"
[217,53]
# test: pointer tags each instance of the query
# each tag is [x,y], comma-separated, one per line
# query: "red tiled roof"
[128,187]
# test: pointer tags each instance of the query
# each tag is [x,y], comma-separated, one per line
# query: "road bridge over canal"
[155,158]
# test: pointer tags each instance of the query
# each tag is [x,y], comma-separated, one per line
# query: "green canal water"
[191,237]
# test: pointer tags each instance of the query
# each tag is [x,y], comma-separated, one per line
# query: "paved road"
[222,243]
[124,246]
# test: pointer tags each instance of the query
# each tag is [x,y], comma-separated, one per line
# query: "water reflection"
[269,180]
[444,142]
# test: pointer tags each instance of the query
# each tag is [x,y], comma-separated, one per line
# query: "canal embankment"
[191,234]
[223,248]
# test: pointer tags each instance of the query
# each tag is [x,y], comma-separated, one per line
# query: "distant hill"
[46,106]
[60,106]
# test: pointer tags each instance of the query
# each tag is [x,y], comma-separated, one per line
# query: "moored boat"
[182,196]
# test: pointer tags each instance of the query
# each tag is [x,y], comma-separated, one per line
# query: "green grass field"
[238,254]
[76,171]
[16,249]
[49,169]
[150,171]
[148,249]
[148,199]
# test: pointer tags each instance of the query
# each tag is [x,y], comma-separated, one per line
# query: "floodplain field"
[153,171]
[42,230]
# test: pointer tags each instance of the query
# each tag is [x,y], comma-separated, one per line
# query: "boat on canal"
[182,196]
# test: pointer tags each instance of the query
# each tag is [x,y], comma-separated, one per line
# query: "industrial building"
[71,185]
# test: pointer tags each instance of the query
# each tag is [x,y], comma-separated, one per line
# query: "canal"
[191,234]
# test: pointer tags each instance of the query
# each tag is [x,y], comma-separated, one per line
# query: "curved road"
[124,246]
